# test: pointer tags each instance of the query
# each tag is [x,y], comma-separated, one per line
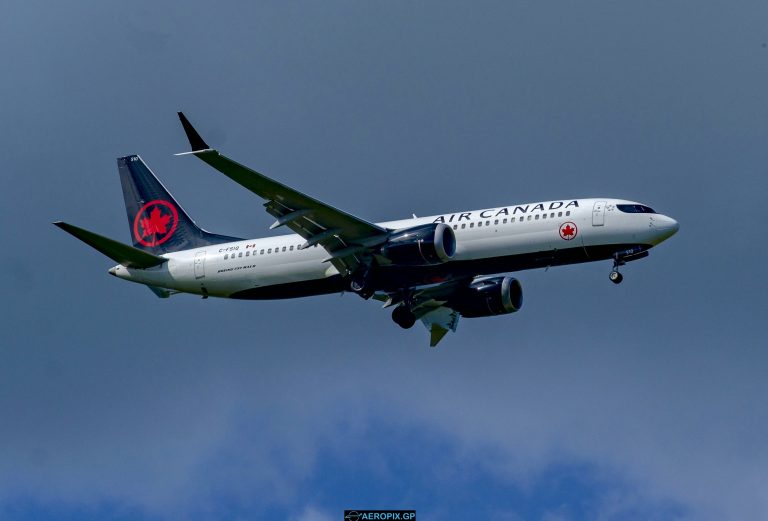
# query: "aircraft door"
[598,213]
[200,265]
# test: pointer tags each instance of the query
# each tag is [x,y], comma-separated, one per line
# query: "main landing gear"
[403,317]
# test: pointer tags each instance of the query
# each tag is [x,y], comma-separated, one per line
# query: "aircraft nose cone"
[665,226]
[675,226]
[670,225]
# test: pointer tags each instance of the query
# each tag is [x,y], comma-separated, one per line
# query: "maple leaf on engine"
[154,224]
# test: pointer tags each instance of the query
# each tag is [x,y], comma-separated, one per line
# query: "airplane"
[435,269]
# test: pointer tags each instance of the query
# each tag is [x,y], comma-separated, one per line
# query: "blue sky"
[640,401]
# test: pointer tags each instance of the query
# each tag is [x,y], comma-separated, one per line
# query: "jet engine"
[423,245]
[487,297]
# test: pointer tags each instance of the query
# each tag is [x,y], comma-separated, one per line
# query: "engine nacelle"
[488,297]
[423,245]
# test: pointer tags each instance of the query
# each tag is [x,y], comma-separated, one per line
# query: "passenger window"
[240,254]
[463,225]
[537,217]
[544,216]
[269,250]
[505,221]
[226,256]
[559,214]
[552,215]
[284,248]
[248,254]
[261,252]
[496,222]
[529,217]
[291,248]
[487,223]
[568,213]
[471,225]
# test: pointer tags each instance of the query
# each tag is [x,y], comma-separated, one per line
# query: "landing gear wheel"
[616,277]
[403,317]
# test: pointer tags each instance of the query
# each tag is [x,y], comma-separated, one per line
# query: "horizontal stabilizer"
[161,292]
[117,251]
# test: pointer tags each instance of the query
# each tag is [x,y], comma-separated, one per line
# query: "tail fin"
[158,223]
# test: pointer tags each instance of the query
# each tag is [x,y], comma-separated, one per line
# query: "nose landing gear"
[622,257]
[614,275]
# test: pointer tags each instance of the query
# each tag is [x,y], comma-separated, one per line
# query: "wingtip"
[195,141]
[436,334]
[65,226]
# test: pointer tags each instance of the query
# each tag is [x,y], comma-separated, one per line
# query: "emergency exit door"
[200,265]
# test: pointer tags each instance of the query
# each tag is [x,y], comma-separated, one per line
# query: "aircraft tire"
[403,317]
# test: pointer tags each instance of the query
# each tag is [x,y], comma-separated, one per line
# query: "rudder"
[157,222]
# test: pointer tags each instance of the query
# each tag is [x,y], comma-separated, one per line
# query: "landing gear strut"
[403,317]
[615,276]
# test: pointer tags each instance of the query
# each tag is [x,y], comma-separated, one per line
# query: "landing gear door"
[200,265]
[598,213]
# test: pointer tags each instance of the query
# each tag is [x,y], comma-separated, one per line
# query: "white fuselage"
[579,226]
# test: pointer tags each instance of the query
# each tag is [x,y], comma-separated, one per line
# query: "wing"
[347,239]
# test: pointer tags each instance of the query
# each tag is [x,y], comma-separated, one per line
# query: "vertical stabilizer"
[157,222]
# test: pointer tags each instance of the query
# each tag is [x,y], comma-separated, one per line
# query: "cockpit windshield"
[634,208]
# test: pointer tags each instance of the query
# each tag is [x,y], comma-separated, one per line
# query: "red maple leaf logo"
[155,224]
[568,231]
